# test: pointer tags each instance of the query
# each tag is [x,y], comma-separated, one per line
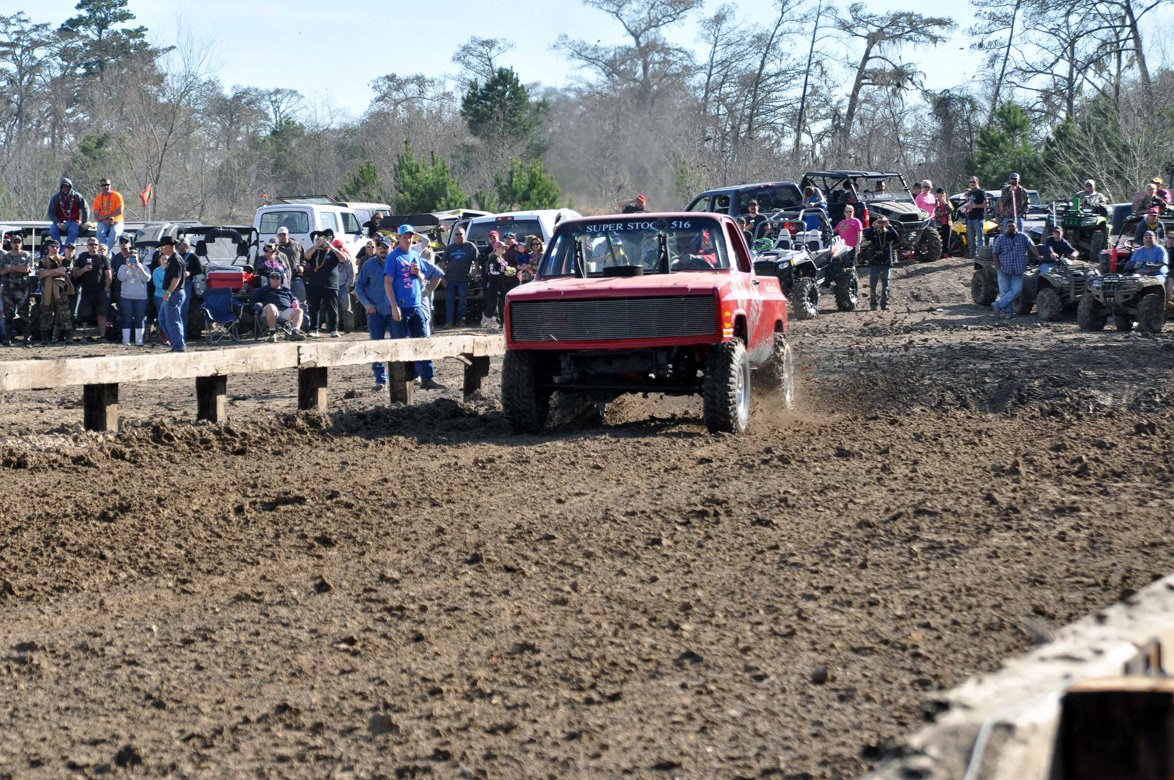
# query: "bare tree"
[882,34]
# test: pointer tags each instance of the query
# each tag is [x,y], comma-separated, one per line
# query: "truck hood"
[675,284]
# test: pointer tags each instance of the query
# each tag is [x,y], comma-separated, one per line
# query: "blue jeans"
[187,303]
[975,237]
[1010,285]
[108,234]
[298,288]
[170,317]
[71,228]
[133,310]
[881,274]
[380,326]
[456,303]
[412,326]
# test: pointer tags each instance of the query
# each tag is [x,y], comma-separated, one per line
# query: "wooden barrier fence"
[101,376]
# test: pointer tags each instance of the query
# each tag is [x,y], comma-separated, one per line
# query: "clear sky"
[330,52]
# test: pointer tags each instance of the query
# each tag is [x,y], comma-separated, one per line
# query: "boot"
[126,337]
[46,338]
[138,337]
[56,334]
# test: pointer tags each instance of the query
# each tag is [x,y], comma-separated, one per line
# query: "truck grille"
[610,319]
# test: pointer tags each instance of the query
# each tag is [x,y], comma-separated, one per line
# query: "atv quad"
[1087,229]
[863,190]
[806,261]
[1133,297]
[1060,288]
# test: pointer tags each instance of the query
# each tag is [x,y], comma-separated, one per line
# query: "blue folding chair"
[221,317]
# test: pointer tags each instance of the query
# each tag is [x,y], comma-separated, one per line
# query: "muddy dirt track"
[408,592]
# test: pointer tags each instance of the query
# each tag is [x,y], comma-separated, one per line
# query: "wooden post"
[212,398]
[1118,729]
[399,382]
[312,389]
[101,407]
[476,369]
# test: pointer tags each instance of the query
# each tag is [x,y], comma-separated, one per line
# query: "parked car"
[735,200]
[305,215]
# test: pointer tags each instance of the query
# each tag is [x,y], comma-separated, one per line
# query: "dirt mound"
[415,591]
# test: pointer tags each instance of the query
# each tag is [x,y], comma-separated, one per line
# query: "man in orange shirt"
[108,211]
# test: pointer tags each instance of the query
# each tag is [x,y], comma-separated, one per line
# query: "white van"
[541,222]
[302,219]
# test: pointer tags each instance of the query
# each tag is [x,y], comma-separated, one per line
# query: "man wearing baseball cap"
[1151,222]
[274,303]
[403,282]
[372,295]
[1013,202]
[294,260]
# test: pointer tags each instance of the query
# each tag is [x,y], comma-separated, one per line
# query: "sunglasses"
[105,184]
[269,249]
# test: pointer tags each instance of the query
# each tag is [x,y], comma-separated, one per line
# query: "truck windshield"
[618,246]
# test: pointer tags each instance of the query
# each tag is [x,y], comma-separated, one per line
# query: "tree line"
[1066,89]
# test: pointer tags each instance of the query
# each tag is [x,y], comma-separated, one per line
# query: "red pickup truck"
[646,303]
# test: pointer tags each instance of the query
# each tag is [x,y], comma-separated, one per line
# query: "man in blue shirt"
[372,294]
[1149,252]
[460,255]
[403,282]
[1011,250]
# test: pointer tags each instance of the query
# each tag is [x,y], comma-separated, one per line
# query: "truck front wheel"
[525,402]
[726,390]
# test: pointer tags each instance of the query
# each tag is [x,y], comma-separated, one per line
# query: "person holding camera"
[132,297]
[322,276]
[91,275]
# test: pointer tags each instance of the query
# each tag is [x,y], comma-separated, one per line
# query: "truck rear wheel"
[1048,304]
[805,298]
[525,402]
[1151,313]
[1090,315]
[726,390]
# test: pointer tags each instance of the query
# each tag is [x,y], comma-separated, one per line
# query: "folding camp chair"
[221,317]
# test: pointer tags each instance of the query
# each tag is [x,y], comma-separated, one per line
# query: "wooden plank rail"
[100,376]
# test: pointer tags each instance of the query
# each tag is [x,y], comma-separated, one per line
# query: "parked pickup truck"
[645,303]
[310,214]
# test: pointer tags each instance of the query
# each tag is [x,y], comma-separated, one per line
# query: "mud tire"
[1151,313]
[525,403]
[848,291]
[726,390]
[777,374]
[805,298]
[1090,315]
[929,246]
[982,289]
[1048,304]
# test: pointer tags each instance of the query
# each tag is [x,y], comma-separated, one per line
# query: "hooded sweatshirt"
[68,206]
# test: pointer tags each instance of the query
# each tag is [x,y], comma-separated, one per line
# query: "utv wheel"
[1151,313]
[777,374]
[1024,302]
[805,298]
[1090,315]
[1048,304]
[929,246]
[525,402]
[983,288]
[1123,322]
[847,291]
[726,391]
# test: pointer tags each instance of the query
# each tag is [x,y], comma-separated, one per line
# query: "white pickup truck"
[304,218]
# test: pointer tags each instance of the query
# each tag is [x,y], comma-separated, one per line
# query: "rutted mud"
[414,592]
